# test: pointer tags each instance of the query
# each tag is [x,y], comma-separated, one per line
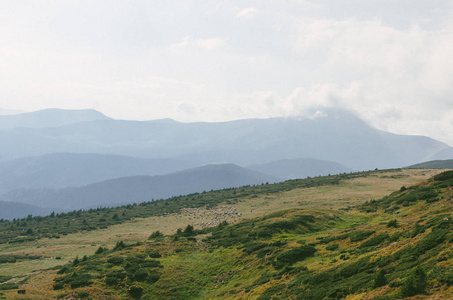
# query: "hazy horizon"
[388,62]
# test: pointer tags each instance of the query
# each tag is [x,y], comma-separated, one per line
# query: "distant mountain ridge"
[10,210]
[336,135]
[51,117]
[300,168]
[60,170]
[137,189]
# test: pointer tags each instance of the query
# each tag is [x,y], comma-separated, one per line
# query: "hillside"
[434,164]
[137,189]
[336,135]
[60,170]
[382,249]
[10,210]
[300,168]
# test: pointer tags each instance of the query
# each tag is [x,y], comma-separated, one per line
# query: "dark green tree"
[380,279]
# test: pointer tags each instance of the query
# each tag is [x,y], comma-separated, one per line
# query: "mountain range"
[137,189]
[336,135]
[71,159]
[60,170]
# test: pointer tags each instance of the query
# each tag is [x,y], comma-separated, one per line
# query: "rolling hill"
[137,189]
[434,164]
[300,168]
[10,210]
[60,170]
[397,246]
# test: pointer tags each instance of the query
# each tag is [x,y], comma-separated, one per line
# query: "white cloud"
[209,44]
[203,61]
[246,12]
[212,43]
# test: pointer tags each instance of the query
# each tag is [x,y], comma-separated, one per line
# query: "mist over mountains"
[300,168]
[335,135]
[137,189]
[63,159]
[60,170]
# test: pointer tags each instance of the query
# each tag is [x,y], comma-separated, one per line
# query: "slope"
[300,168]
[434,164]
[395,247]
[10,210]
[60,170]
[137,189]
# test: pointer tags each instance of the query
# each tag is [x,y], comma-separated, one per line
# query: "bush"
[141,275]
[80,281]
[117,260]
[136,292]
[360,235]
[415,284]
[332,247]
[58,286]
[294,255]
[374,241]
[154,254]
[380,279]
[393,223]
[155,235]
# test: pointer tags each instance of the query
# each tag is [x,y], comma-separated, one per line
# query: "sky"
[388,61]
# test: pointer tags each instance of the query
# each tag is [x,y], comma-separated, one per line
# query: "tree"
[189,231]
[380,279]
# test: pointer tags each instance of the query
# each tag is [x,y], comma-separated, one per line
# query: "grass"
[230,273]
[350,192]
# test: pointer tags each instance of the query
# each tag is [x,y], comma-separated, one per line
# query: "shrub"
[360,235]
[117,260]
[332,247]
[380,279]
[155,234]
[374,241]
[136,292]
[393,223]
[58,286]
[154,254]
[99,250]
[140,275]
[81,280]
[294,255]
[415,284]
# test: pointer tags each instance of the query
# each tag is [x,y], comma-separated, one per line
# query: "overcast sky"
[390,61]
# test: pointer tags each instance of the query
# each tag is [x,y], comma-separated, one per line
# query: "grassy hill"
[434,164]
[337,237]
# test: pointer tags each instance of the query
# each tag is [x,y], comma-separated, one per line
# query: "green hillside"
[395,247]
[434,164]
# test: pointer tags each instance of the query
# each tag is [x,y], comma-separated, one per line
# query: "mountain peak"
[50,117]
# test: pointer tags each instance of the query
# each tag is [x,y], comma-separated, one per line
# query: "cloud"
[217,61]
[209,44]
[212,43]
[248,12]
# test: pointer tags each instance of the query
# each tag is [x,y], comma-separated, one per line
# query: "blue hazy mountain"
[59,170]
[300,168]
[137,189]
[10,210]
[51,117]
[335,135]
